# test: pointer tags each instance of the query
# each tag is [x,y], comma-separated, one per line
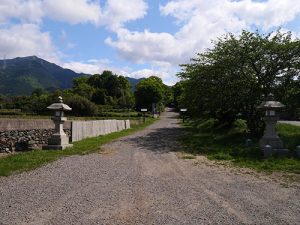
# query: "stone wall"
[20,140]
[21,134]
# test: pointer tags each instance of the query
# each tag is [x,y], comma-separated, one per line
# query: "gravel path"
[139,180]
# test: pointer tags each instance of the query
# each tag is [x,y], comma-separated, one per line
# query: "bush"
[240,126]
[81,106]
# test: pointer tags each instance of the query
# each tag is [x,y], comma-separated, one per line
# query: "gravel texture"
[140,180]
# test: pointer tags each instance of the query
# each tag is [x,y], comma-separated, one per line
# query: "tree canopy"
[152,90]
[105,88]
[228,80]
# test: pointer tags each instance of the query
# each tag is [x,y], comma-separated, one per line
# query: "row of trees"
[227,81]
[105,89]
[92,94]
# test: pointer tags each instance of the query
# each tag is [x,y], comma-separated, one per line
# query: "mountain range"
[22,75]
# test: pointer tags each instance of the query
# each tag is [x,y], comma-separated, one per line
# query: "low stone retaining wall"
[19,134]
[19,140]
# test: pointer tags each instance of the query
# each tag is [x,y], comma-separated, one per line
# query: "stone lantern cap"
[270,103]
[59,106]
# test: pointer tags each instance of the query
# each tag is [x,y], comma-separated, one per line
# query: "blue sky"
[136,38]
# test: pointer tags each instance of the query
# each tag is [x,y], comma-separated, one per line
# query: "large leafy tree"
[149,91]
[227,81]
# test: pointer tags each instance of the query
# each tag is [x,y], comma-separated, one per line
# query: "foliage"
[30,84]
[152,91]
[290,95]
[207,137]
[87,91]
[105,89]
[227,81]
[82,88]
[178,91]
[81,106]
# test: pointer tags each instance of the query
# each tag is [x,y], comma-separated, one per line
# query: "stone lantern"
[270,137]
[59,140]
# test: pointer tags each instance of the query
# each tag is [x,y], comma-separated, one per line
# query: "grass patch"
[30,160]
[289,134]
[188,156]
[206,137]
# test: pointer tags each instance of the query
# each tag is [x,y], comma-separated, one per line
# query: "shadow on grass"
[217,142]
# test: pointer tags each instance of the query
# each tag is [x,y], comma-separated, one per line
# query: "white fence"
[93,128]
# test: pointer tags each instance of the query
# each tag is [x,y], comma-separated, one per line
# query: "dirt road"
[140,180]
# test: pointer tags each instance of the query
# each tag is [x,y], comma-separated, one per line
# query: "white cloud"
[73,11]
[200,22]
[266,14]
[27,40]
[113,14]
[117,12]
[33,11]
[261,13]
[25,10]
[145,46]
[148,73]
[94,66]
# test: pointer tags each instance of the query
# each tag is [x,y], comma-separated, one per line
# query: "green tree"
[148,91]
[178,90]
[80,106]
[227,81]
[82,88]
[111,89]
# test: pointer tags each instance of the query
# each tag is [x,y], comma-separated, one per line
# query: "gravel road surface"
[140,180]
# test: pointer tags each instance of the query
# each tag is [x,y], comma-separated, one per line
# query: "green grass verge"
[30,160]
[218,143]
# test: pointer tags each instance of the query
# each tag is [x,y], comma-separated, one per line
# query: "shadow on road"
[161,140]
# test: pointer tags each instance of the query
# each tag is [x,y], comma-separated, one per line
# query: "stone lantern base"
[58,142]
[56,147]
[275,142]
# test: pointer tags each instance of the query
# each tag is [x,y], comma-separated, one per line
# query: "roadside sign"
[183,110]
[144,110]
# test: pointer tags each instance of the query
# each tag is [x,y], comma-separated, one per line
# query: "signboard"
[144,110]
[183,110]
